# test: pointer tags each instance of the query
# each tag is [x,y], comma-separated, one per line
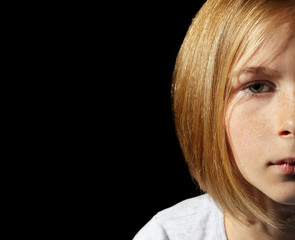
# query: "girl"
[234,106]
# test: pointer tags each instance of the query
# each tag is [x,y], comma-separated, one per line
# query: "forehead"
[263,51]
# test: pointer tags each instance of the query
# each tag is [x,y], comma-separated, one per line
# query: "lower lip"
[286,168]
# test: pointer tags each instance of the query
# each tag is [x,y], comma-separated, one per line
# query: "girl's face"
[260,118]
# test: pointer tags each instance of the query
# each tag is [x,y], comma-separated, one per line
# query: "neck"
[244,229]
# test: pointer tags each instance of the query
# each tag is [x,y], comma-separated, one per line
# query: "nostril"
[285,133]
[287,127]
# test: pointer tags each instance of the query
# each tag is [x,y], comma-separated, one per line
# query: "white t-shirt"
[193,219]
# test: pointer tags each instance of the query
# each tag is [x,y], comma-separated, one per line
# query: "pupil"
[257,87]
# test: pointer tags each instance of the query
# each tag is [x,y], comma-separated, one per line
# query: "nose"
[287,116]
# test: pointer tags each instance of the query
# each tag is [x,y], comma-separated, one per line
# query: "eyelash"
[270,87]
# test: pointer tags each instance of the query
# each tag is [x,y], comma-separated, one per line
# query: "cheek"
[248,131]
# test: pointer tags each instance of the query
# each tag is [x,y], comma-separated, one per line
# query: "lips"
[286,166]
[290,161]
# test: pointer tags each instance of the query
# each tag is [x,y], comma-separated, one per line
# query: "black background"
[95,130]
[151,173]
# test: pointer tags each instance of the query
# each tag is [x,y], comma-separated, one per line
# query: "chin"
[282,193]
[286,200]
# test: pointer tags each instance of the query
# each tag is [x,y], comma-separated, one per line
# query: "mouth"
[286,166]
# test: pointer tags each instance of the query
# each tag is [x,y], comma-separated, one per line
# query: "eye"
[258,87]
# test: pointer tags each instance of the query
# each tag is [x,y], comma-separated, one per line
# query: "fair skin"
[260,122]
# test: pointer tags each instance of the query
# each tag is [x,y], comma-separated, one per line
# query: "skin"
[260,122]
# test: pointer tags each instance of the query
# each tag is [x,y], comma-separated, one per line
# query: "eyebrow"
[257,71]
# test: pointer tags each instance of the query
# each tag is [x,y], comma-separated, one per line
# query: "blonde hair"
[216,40]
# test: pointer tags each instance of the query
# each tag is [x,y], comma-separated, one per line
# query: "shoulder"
[194,218]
